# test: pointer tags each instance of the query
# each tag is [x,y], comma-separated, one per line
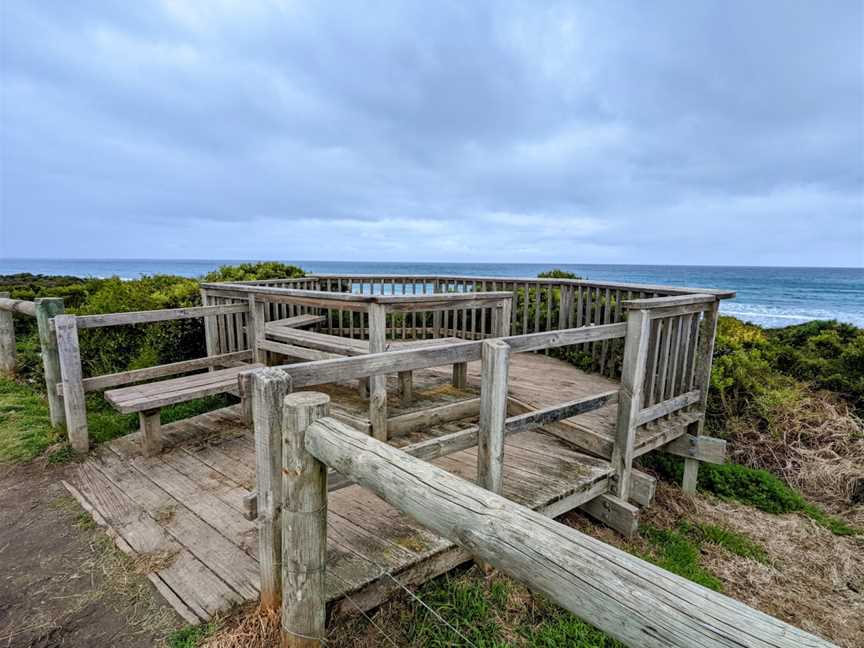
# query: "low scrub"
[120,348]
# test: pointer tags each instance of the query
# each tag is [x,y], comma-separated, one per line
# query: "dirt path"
[62,582]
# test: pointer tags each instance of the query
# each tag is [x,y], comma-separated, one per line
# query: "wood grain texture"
[630,399]
[269,388]
[304,524]
[7,339]
[495,360]
[163,315]
[154,395]
[46,309]
[74,405]
[626,597]
[21,306]
[100,383]
[378,382]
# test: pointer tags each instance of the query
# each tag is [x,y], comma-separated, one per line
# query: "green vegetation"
[751,486]
[678,553]
[760,374]
[25,430]
[736,543]
[191,636]
[679,549]
[25,426]
[492,614]
[120,348]
[557,273]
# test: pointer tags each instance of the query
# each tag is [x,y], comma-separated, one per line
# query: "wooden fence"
[538,305]
[43,310]
[297,442]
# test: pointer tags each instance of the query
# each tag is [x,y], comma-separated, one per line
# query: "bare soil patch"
[62,581]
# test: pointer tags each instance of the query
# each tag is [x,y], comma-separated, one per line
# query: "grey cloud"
[669,125]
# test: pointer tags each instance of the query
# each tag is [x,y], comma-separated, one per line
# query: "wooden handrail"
[19,306]
[638,287]
[319,372]
[632,600]
[164,315]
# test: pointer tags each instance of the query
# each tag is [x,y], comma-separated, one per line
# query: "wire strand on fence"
[384,572]
[389,639]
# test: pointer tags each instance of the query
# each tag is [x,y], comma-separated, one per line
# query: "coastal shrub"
[254,271]
[113,349]
[557,273]
[826,354]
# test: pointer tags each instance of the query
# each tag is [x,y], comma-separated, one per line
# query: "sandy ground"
[62,583]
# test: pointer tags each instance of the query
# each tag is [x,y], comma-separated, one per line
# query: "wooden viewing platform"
[412,387]
[182,511]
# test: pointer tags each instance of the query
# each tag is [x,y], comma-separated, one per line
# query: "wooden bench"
[148,399]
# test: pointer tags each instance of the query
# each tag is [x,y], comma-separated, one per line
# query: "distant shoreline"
[767,296]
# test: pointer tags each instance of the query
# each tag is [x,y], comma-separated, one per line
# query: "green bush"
[120,348]
[253,271]
[557,273]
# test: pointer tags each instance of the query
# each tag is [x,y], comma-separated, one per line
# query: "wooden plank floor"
[180,513]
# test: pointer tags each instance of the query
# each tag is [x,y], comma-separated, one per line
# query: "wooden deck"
[180,513]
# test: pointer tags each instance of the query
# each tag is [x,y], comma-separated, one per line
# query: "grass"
[473,610]
[731,541]
[190,636]
[25,425]
[678,553]
[754,487]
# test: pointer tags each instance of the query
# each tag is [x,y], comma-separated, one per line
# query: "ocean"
[770,297]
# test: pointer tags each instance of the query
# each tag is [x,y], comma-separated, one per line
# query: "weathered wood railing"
[43,309]
[69,384]
[630,599]
[539,304]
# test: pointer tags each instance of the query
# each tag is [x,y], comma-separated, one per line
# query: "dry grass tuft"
[818,449]
[813,579]
[149,563]
[249,626]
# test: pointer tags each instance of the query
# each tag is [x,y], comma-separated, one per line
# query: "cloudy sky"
[663,132]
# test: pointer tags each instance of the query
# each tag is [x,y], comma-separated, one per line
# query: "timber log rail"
[630,599]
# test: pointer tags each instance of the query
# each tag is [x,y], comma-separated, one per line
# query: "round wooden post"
[46,308]
[7,342]
[378,383]
[495,358]
[304,525]
[268,390]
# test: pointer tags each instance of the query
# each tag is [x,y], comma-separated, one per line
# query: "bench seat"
[148,399]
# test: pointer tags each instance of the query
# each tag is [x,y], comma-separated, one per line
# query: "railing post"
[268,390]
[495,359]
[74,404]
[257,322]
[209,328]
[46,309]
[304,525]
[630,398]
[7,342]
[378,384]
[503,312]
[704,358]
